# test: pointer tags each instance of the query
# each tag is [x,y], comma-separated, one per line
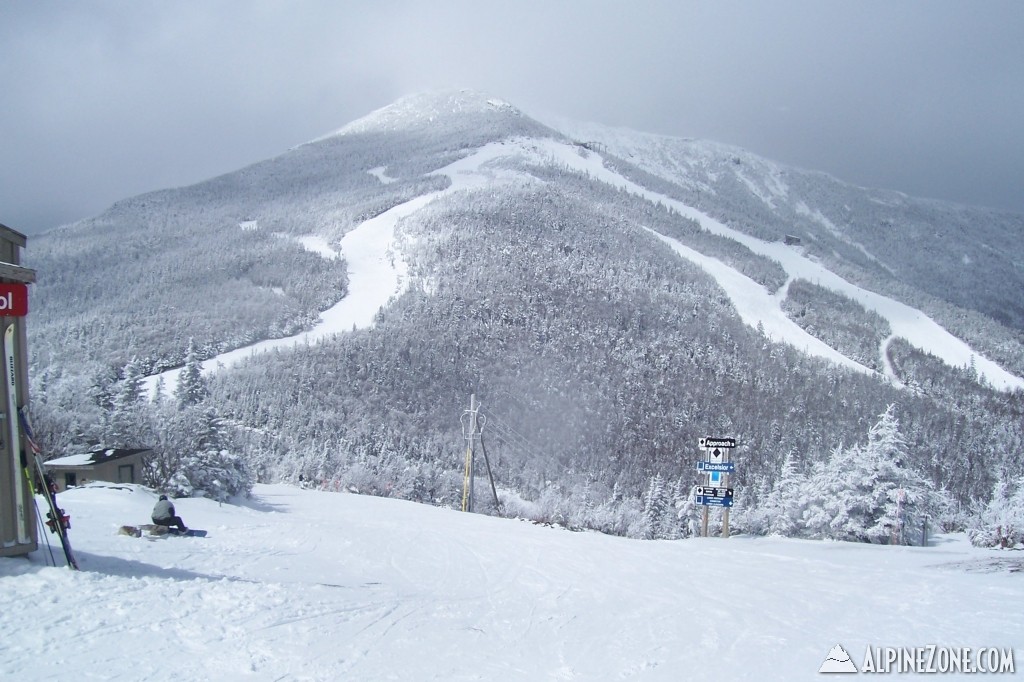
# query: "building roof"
[17,273]
[12,235]
[89,459]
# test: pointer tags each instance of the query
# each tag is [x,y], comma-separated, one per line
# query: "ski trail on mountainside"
[756,305]
[905,321]
[377,272]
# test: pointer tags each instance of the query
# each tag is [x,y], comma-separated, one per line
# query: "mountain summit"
[422,110]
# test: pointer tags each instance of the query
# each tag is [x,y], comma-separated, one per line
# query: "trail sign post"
[717,492]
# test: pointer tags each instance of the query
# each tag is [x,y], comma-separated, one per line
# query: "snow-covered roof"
[94,458]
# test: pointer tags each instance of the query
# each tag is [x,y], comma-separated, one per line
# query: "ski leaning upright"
[57,522]
[12,407]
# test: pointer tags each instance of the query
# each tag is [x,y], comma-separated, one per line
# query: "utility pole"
[470,432]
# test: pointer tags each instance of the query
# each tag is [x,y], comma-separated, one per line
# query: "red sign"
[13,300]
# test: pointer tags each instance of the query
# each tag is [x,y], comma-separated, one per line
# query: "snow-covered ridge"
[377,271]
[684,161]
[762,308]
[649,152]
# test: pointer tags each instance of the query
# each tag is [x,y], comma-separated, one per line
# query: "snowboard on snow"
[190,533]
[153,530]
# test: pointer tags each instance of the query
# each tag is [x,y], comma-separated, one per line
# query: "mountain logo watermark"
[922,659]
[838,661]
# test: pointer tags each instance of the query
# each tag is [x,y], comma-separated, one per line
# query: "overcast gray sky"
[102,100]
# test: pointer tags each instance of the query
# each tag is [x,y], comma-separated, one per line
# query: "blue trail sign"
[721,467]
[709,501]
[713,496]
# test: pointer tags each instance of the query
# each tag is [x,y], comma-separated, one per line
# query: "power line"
[510,436]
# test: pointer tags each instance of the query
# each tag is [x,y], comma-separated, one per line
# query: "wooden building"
[114,465]
[17,504]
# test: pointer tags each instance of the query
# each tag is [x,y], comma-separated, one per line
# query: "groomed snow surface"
[308,585]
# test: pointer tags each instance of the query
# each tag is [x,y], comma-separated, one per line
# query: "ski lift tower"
[17,504]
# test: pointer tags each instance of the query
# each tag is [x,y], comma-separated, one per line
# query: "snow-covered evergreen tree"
[866,493]
[686,510]
[194,453]
[192,388]
[160,391]
[656,507]
[1001,521]
[126,414]
[781,509]
[665,510]
[209,465]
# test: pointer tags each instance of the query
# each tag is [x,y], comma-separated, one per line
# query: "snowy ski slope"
[308,585]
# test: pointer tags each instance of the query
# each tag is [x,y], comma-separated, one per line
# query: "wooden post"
[725,484]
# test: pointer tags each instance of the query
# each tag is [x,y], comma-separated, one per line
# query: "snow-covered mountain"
[610,295]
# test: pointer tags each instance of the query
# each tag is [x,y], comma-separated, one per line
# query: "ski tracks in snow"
[310,585]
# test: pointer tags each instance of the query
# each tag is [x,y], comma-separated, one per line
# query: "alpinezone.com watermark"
[922,659]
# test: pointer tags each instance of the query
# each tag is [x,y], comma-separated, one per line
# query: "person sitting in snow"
[163,515]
